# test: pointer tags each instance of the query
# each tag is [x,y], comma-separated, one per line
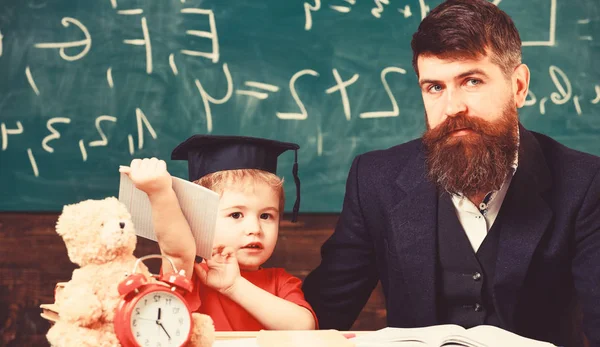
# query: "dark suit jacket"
[548,252]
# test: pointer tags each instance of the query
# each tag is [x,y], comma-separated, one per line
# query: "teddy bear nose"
[122,225]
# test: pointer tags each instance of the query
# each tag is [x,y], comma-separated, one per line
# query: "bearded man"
[478,222]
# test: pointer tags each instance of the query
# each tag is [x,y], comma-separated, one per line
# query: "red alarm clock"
[152,314]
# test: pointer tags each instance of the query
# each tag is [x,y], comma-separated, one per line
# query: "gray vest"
[465,278]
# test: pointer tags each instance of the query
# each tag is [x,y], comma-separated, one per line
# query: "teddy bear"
[100,238]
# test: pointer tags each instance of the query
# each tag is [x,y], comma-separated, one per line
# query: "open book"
[446,335]
[281,338]
[199,206]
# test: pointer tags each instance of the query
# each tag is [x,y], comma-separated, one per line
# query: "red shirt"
[229,316]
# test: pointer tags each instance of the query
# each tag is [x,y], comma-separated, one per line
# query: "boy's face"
[248,221]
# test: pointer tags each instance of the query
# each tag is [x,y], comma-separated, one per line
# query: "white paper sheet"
[249,342]
[199,206]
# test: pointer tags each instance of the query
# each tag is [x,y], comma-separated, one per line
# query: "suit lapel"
[413,240]
[525,217]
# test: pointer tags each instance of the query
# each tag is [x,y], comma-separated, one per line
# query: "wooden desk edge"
[232,335]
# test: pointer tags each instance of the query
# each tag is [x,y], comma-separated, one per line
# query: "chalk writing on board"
[85,43]
[142,121]
[144,42]
[543,105]
[395,112]
[172,64]
[5,132]
[551,29]
[308,9]
[577,104]
[212,35]
[585,22]
[258,85]
[345,8]
[319,141]
[207,99]
[109,77]
[143,126]
[84,154]
[303,114]
[131,12]
[405,11]
[563,93]
[597,98]
[103,140]
[341,86]
[376,11]
[31,81]
[530,99]
[424,8]
[54,134]
[34,166]
[380,5]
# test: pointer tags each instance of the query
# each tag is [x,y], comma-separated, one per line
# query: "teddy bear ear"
[59,223]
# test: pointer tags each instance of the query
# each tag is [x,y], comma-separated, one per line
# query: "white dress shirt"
[478,220]
[475,222]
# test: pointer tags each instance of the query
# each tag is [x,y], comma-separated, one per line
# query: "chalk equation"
[379,7]
[261,91]
[345,6]
[56,125]
[309,7]
[86,43]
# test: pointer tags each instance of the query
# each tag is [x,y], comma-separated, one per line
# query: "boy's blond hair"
[238,179]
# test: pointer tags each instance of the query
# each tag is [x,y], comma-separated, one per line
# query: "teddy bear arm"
[203,331]
[79,305]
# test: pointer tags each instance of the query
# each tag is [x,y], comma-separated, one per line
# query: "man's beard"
[478,162]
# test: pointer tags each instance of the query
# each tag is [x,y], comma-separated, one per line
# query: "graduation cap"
[211,153]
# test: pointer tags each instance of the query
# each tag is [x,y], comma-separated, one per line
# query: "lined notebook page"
[199,206]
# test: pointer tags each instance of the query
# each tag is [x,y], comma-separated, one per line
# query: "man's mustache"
[460,122]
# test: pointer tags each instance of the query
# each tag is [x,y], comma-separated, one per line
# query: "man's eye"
[266,216]
[473,82]
[435,88]
[236,215]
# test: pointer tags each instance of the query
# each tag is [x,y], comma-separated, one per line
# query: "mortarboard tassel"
[297,181]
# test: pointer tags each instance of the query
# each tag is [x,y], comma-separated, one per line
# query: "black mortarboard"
[210,153]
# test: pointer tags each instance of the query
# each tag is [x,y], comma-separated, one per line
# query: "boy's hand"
[223,270]
[148,175]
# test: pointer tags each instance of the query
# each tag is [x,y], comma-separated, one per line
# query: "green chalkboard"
[85,86]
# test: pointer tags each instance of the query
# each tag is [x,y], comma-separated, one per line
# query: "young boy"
[231,287]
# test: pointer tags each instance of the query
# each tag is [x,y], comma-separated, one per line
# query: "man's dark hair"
[459,29]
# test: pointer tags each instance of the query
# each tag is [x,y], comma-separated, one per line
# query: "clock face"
[160,319]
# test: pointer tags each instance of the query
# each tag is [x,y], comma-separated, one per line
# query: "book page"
[249,342]
[302,338]
[198,204]
[408,337]
[491,336]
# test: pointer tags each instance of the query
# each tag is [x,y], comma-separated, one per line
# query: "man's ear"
[520,84]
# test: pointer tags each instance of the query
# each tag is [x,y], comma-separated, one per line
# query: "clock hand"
[158,319]
[165,330]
